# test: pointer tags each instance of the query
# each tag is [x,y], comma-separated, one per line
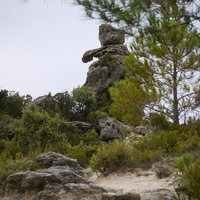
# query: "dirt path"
[140,182]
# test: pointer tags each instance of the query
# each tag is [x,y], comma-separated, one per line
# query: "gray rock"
[111,129]
[102,75]
[109,35]
[142,130]
[99,52]
[123,196]
[159,194]
[49,159]
[38,180]
[41,100]
[84,126]
[58,177]
[110,67]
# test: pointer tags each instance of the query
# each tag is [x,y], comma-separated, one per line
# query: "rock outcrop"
[110,65]
[57,177]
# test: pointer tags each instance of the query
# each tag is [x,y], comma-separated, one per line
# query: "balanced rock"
[109,67]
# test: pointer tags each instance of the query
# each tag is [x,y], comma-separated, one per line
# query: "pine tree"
[167,62]
[131,15]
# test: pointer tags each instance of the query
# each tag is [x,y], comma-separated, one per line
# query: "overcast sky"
[41,46]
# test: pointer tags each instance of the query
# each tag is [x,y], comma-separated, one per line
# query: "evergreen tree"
[132,14]
[167,62]
[82,103]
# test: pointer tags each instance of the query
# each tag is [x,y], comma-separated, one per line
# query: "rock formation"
[55,177]
[110,65]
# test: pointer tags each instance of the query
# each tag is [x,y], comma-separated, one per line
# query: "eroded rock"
[109,35]
[109,67]
[56,177]
[111,129]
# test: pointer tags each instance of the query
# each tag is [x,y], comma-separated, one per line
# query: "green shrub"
[11,148]
[170,142]
[91,137]
[159,121]
[148,156]
[165,142]
[9,166]
[93,117]
[110,157]
[83,153]
[189,143]
[190,177]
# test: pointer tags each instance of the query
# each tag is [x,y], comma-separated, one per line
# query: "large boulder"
[111,129]
[55,177]
[109,67]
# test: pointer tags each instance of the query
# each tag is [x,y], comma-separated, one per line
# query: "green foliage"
[159,121]
[83,153]
[11,103]
[171,142]
[110,157]
[189,177]
[6,122]
[86,148]
[83,103]
[8,167]
[60,104]
[128,101]
[143,153]
[63,104]
[108,61]
[173,74]
[130,15]
[93,117]
[91,137]
[38,130]
[118,155]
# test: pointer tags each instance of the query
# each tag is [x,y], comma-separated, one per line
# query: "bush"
[190,178]
[9,166]
[110,157]
[159,121]
[83,153]
[117,155]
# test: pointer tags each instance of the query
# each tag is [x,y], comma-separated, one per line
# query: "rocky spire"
[110,65]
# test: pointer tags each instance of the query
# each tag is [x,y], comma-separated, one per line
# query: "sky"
[41,46]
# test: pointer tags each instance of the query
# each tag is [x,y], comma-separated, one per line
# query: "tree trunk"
[175,96]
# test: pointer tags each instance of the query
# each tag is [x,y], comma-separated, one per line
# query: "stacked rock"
[110,65]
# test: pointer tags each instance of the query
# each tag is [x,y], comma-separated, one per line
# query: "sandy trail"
[138,181]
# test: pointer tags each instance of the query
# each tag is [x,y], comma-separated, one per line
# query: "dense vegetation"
[41,128]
